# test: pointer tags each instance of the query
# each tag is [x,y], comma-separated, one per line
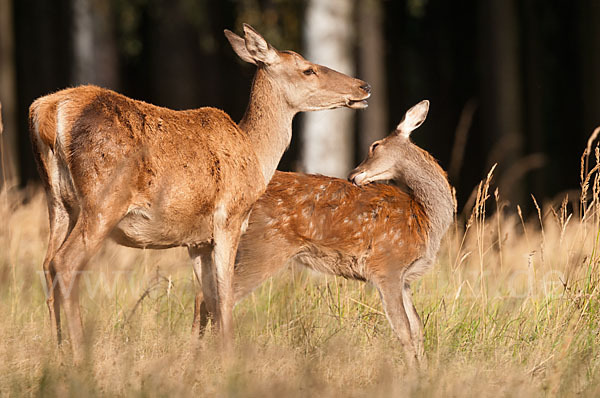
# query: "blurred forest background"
[513,82]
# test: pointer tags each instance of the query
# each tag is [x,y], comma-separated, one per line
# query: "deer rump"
[331,226]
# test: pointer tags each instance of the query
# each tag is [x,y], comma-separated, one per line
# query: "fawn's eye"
[375,145]
[309,71]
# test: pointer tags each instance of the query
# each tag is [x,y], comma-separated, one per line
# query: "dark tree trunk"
[43,58]
[373,121]
[9,172]
[501,92]
[589,53]
[94,48]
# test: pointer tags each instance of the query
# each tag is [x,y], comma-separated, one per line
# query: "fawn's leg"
[257,260]
[416,326]
[391,292]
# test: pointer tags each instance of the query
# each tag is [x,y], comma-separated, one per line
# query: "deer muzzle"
[360,102]
[357,177]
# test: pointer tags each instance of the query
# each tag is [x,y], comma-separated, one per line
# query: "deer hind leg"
[90,230]
[257,260]
[61,223]
[201,257]
[416,326]
[393,305]
[201,315]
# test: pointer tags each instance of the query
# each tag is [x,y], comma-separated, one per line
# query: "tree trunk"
[328,135]
[173,53]
[501,90]
[373,121]
[94,47]
[589,30]
[8,144]
[536,89]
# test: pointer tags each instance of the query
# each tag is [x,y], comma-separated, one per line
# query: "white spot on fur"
[220,215]
[60,121]
[54,175]
[138,211]
[245,224]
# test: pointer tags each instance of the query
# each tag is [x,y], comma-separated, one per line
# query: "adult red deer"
[151,177]
[375,232]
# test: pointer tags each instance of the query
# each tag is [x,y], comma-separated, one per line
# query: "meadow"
[511,308]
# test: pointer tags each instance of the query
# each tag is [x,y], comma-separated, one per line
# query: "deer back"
[337,227]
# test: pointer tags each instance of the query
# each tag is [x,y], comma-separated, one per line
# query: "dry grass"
[511,308]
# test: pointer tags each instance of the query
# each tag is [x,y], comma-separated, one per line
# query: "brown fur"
[348,227]
[166,155]
[151,177]
[375,232]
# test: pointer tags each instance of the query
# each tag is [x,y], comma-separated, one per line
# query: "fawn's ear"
[239,46]
[413,118]
[258,48]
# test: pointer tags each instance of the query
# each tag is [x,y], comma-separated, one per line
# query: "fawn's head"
[386,155]
[304,85]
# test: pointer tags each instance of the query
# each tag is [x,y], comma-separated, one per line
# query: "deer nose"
[366,88]
[357,177]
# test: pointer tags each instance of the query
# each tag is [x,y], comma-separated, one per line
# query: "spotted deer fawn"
[151,177]
[370,232]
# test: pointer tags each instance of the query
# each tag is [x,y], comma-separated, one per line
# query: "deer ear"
[413,118]
[239,46]
[258,48]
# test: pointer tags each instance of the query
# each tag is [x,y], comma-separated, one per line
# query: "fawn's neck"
[268,122]
[429,185]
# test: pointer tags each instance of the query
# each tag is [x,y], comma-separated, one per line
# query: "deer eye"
[375,145]
[309,71]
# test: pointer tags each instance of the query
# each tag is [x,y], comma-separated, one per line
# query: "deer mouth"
[357,103]
[358,179]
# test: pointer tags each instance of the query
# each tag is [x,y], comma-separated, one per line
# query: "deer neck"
[429,186]
[268,122]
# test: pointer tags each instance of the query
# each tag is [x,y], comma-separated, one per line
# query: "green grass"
[510,309]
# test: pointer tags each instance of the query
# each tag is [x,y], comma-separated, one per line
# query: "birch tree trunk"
[327,146]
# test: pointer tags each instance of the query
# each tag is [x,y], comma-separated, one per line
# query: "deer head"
[304,86]
[385,158]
